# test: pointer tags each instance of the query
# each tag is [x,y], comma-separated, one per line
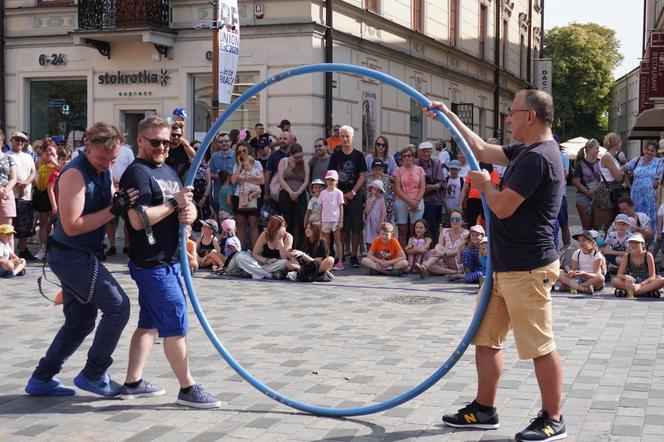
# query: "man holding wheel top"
[525,262]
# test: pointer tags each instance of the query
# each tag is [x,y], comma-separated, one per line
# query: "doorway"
[130,120]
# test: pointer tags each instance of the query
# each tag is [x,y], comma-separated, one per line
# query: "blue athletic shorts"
[161,299]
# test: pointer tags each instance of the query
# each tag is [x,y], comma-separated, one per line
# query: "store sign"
[229,48]
[543,74]
[644,86]
[161,78]
[656,89]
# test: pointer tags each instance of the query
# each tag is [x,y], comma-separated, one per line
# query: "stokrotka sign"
[143,77]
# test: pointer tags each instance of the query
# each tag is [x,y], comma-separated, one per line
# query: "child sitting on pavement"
[385,256]
[615,242]
[470,256]
[208,251]
[637,271]
[586,274]
[10,264]
[417,249]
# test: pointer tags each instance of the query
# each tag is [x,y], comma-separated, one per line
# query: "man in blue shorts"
[86,204]
[525,261]
[154,266]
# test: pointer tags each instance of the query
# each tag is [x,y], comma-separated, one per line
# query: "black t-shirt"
[349,168]
[155,185]
[260,142]
[178,160]
[524,241]
[319,251]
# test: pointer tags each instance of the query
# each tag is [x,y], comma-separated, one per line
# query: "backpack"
[577,254]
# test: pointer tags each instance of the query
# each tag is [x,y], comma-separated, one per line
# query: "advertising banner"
[229,48]
[369,118]
[543,74]
[656,90]
[644,85]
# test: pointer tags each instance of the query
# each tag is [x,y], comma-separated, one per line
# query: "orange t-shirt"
[388,251]
[333,142]
[474,193]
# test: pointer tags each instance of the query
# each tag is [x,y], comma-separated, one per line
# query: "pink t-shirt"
[410,180]
[329,203]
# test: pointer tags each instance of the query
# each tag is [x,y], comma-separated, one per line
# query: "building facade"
[70,63]
[624,109]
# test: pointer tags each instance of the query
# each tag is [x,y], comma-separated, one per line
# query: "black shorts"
[24,223]
[354,214]
[40,201]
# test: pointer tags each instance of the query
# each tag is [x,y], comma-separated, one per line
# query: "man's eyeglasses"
[176,135]
[156,142]
[510,111]
[20,140]
[319,145]
[224,140]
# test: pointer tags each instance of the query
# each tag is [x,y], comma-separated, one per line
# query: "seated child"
[637,271]
[230,242]
[587,273]
[207,247]
[418,245]
[385,256]
[249,192]
[470,256]
[615,242]
[10,264]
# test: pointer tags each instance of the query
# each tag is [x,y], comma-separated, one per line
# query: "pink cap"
[332,174]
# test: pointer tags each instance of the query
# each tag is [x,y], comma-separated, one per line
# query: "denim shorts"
[161,298]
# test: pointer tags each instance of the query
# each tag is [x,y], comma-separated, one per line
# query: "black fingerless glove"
[120,203]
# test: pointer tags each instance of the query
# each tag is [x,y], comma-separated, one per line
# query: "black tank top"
[204,249]
[270,253]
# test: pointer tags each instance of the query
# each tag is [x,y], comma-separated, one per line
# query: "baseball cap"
[478,229]
[378,184]
[332,174]
[180,112]
[58,139]
[283,123]
[484,240]
[622,218]
[425,145]
[211,224]
[228,225]
[20,135]
[455,164]
[318,181]
[587,234]
[636,237]
[7,229]
[378,163]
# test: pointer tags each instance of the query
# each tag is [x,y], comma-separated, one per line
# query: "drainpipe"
[530,41]
[2,68]
[542,29]
[329,58]
[496,87]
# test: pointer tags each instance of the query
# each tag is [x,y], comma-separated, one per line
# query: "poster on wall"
[369,117]
[229,48]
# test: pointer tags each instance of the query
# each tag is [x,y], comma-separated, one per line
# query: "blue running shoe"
[52,387]
[198,398]
[144,389]
[103,386]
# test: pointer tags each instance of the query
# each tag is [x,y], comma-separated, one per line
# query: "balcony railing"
[96,15]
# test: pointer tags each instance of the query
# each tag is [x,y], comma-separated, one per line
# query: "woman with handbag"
[293,176]
[244,215]
[588,182]
[646,172]
[612,176]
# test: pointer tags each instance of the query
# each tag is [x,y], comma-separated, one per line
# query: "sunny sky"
[623,16]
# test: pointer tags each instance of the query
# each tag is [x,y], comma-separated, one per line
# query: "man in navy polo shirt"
[154,265]
[525,261]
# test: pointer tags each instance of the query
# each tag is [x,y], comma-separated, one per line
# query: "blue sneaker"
[104,386]
[144,389]
[53,387]
[198,398]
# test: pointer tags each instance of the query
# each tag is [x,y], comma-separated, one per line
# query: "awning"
[573,146]
[649,125]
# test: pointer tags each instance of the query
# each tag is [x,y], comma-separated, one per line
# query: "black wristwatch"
[174,203]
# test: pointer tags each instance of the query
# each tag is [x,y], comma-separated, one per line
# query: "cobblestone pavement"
[351,342]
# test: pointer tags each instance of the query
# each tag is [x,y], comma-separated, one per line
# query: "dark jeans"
[433,215]
[75,270]
[473,210]
[293,213]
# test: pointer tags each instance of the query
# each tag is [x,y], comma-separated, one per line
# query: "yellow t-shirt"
[44,171]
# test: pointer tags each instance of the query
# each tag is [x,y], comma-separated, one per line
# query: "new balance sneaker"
[52,387]
[473,415]
[543,429]
[104,386]
[196,397]
[144,389]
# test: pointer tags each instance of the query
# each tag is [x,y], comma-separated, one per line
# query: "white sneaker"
[41,254]
[292,275]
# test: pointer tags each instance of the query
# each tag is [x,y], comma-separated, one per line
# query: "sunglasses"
[176,135]
[407,155]
[380,144]
[156,142]
[319,145]
[224,140]
[456,219]
[243,151]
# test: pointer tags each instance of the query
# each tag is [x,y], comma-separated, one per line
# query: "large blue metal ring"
[484,297]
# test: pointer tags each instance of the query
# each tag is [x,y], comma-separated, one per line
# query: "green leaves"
[584,56]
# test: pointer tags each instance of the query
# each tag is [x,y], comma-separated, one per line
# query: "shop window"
[57,107]
[245,117]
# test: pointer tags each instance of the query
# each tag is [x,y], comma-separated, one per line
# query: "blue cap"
[180,112]
[58,139]
[455,164]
